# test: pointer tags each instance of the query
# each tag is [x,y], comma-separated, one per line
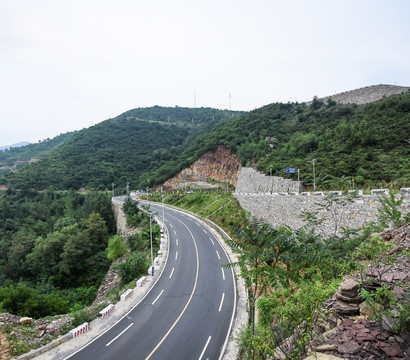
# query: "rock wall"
[219,164]
[252,181]
[277,209]
[368,94]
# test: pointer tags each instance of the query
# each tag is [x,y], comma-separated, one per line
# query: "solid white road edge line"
[222,301]
[157,297]
[206,345]
[122,332]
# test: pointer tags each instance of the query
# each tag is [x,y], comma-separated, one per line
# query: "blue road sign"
[290,170]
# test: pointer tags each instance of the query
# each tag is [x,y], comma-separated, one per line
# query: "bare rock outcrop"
[219,164]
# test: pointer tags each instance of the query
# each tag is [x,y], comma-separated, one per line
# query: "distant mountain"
[23,143]
[119,150]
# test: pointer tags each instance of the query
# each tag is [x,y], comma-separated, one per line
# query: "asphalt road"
[189,311]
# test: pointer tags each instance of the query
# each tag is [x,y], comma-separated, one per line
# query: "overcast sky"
[69,64]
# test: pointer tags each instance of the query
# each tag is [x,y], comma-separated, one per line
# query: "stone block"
[26,320]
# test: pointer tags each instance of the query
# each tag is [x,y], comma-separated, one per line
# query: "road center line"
[212,241]
[223,273]
[204,231]
[175,232]
[222,301]
[176,241]
[176,255]
[190,297]
[158,296]
[170,276]
[217,253]
[122,332]
[206,345]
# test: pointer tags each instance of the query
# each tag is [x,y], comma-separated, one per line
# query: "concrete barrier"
[141,281]
[80,330]
[107,311]
[127,294]
[336,192]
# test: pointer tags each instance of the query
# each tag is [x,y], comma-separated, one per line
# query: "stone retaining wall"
[286,209]
[252,181]
[368,94]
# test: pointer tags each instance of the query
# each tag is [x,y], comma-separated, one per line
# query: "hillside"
[16,157]
[366,143]
[118,150]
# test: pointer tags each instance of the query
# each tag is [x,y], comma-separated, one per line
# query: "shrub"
[115,248]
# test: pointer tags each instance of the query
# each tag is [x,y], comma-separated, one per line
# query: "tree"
[271,257]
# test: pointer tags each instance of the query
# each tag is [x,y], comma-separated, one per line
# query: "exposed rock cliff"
[220,165]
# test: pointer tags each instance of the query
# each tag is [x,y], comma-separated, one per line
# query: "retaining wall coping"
[379,192]
[357,192]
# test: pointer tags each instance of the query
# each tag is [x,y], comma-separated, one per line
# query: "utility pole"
[147,196]
[271,181]
[127,189]
[113,189]
[314,180]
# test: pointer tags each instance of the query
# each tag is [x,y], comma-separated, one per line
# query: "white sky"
[69,64]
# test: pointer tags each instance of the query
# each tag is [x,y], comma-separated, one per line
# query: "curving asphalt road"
[188,313]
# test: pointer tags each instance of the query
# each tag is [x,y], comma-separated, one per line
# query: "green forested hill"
[17,157]
[118,150]
[364,142]
[179,115]
[147,146]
